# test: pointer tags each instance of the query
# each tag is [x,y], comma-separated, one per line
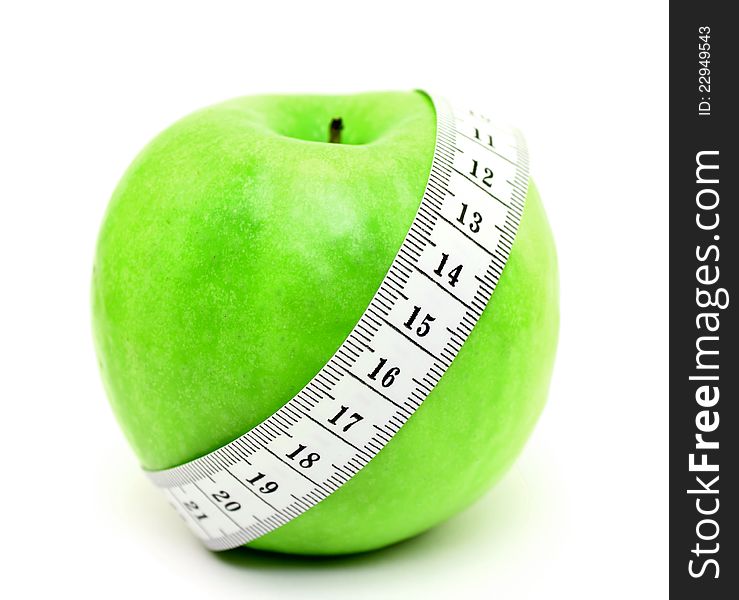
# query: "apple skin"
[239,250]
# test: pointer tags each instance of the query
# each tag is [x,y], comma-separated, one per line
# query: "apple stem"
[334,131]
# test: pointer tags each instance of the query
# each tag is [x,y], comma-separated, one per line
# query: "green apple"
[237,253]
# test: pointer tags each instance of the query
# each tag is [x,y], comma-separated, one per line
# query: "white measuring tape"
[433,294]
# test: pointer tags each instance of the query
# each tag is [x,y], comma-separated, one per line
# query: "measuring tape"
[430,299]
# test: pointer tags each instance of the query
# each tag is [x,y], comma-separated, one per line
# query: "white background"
[583,514]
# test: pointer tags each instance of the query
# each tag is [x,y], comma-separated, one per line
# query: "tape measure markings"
[390,361]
